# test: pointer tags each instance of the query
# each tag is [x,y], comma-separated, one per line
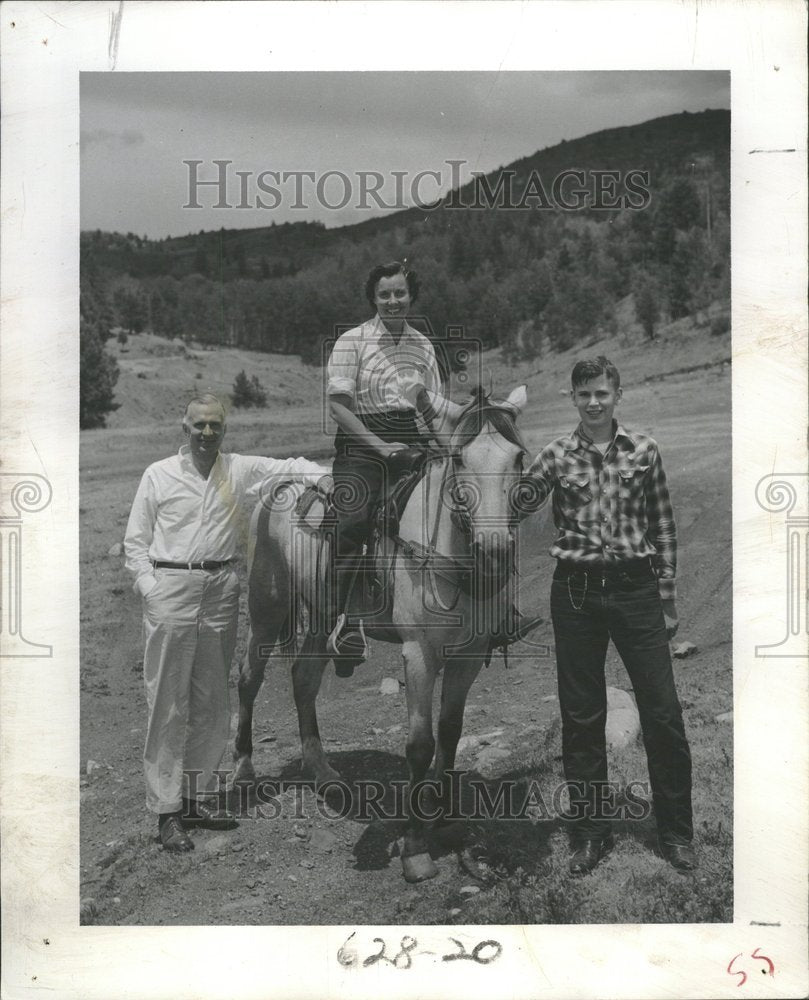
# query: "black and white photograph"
[402,531]
[542,736]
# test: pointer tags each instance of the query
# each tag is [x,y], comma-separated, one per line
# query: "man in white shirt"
[188,516]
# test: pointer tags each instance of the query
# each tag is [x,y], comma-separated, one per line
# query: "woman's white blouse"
[367,365]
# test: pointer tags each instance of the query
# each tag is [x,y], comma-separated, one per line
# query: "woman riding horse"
[367,371]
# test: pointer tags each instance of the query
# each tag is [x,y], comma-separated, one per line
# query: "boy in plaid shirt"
[616,552]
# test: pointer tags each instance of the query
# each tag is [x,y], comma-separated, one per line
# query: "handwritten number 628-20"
[483,953]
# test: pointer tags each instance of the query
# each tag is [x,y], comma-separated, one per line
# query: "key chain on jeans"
[577,607]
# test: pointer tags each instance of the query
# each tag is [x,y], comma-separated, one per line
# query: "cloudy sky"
[138,128]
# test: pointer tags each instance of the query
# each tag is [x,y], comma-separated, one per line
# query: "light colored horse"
[449,566]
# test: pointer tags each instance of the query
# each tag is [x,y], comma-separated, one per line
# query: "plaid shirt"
[610,508]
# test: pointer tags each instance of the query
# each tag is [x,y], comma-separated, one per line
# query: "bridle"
[464,572]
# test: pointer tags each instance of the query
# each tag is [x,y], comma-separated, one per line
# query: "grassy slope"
[157,376]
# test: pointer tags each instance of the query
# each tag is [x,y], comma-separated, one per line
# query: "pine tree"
[201,265]
[132,309]
[248,392]
[679,282]
[97,377]
[647,304]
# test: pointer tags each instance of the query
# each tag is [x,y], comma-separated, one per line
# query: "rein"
[461,573]
[428,557]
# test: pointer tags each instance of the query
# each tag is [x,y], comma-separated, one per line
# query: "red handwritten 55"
[753,954]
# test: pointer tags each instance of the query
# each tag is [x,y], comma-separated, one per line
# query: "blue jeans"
[588,609]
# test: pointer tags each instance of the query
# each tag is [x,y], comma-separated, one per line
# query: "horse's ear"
[517,399]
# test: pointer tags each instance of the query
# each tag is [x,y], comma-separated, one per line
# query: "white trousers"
[190,618]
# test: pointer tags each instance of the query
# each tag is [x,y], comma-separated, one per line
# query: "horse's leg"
[307,674]
[459,675]
[421,668]
[268,608]
[251,677]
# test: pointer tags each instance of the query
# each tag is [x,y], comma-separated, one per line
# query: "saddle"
[369,598]
[407,468]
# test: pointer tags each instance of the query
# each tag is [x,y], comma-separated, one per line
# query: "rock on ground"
[322,840]
[623,722]
[472,742]
[488,760]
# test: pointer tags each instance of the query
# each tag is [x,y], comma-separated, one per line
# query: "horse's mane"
[480,412]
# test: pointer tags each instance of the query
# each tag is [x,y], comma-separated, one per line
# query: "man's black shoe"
[172,835]
[588,853]
[680,856]
[204,814]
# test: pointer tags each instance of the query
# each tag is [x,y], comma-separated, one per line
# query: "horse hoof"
[418,868]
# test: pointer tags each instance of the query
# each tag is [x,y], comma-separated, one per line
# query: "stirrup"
[353,644]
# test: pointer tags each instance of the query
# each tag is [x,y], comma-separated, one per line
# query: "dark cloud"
[348,121]
[403,101]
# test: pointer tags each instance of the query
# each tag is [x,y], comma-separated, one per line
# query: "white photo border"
[45,46]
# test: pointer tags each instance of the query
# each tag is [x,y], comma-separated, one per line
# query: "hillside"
[666,147]
[527,281]
[157,376]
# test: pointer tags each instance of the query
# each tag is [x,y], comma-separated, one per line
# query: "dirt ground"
[299,863]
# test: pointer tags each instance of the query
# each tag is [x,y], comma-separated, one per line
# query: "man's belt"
[208,564]
[636,569]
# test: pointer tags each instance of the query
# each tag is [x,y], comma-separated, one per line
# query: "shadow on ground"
[496,827]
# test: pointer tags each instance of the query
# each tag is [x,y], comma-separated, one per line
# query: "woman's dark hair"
[388,271]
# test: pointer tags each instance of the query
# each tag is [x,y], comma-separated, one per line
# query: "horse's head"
[484,479]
